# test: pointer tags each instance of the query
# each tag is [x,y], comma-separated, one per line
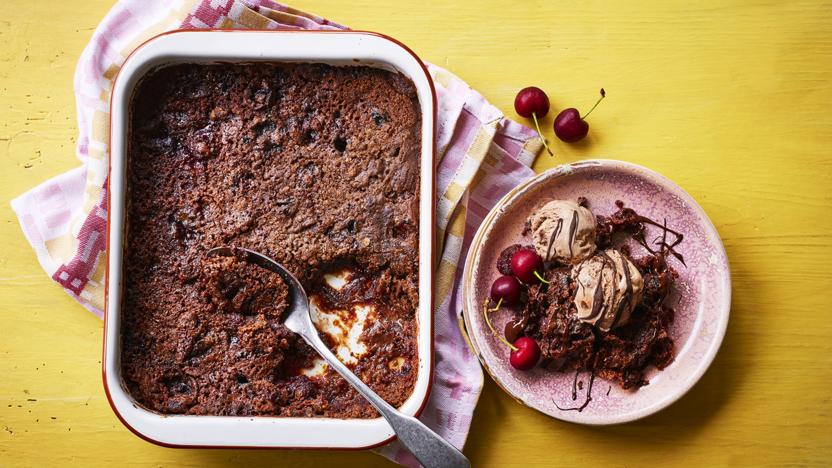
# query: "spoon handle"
[431,450]
[428,447]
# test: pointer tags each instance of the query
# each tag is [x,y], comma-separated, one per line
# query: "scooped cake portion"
[313,165]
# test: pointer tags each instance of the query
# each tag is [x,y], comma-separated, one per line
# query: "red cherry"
[533,103]
[507,289]
[526,265]
[570,126]
[526,354]
[531,100]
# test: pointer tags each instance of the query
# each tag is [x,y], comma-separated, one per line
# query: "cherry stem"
[537,126]
[488,321]
[603,95]
[542,280]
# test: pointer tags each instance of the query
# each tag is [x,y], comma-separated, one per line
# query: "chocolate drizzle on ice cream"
[555,244]
[609,288]
[552,238]
[573,227]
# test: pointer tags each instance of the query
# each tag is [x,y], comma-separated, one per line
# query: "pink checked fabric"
[481,155]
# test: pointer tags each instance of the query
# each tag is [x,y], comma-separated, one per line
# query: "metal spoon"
[428,447]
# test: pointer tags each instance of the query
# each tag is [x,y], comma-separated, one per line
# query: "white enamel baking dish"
[343,48]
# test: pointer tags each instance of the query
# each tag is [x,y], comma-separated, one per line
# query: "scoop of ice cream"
[563,231]
[608,288]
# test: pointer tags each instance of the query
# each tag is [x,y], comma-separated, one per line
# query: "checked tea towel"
[481,155]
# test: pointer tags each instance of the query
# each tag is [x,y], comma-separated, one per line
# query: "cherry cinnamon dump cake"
[312,165]
[581,300]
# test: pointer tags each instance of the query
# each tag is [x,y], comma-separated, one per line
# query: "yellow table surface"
[729,99]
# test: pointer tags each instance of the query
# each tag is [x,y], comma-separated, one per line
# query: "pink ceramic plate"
[702,299]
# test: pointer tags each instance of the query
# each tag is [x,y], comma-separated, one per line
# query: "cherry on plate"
[527,266]
[506,289]
[570,126]
[525,355]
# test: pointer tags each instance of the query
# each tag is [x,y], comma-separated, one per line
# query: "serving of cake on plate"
[581,300]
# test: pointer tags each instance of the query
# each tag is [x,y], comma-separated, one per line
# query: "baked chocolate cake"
[312,165]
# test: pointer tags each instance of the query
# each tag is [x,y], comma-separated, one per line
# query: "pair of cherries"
[526,266]
[570,126]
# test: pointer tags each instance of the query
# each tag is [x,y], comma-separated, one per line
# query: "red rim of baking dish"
[432,162]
